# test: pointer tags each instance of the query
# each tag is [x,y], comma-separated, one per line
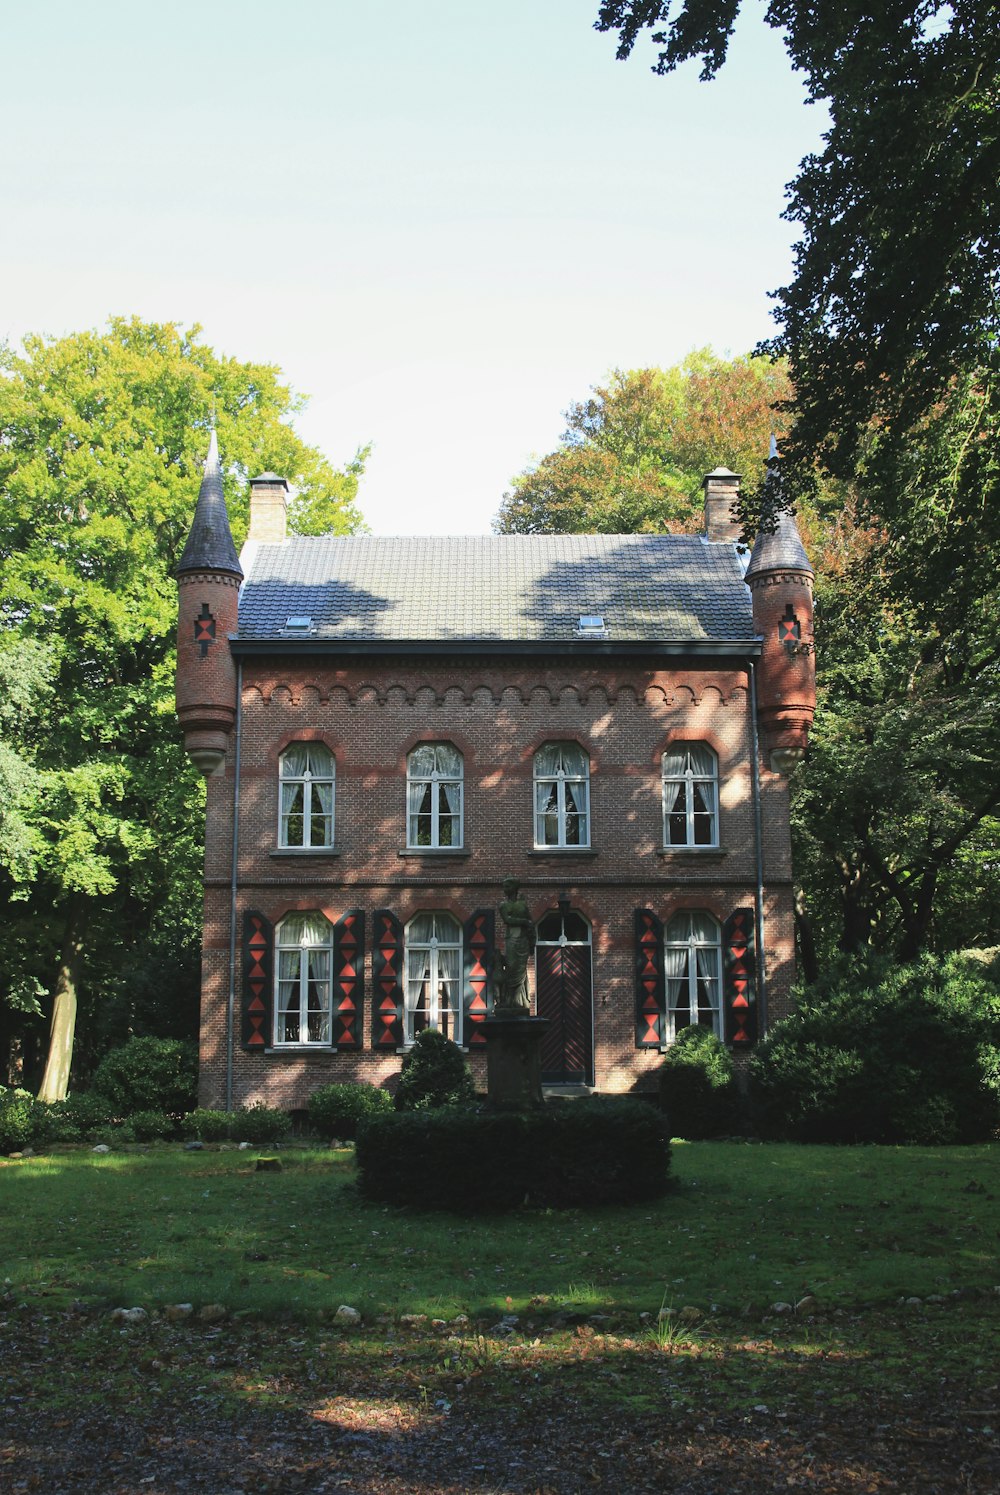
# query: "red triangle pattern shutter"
[650,982]
[477,950]
[387,981]
[740,986]
[258,982]
[348,979]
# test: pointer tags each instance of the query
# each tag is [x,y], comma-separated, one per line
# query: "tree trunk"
[55,1081]
[807,944]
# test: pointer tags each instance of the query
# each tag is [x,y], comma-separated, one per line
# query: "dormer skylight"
[299,623]
[591,625]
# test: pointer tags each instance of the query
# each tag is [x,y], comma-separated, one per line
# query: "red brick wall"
[371,713]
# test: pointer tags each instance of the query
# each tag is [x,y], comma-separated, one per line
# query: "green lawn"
[745,1226]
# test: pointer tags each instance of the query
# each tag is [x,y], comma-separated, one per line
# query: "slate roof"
[781,550]
[209,544]
[497,588]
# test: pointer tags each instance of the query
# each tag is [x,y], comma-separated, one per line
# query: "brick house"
[393,725]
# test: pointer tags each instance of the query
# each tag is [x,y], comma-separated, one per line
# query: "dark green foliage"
[149,1074]
[20,1117]
[564,1156]
[885,1054]
[152,1126]
[335,1110]
[259,1123]
[205,1125]
[78,1118]
[434,1074]
[698,1086]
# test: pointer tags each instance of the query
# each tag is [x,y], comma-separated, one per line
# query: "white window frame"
[692,955]
[434,787]
[684,779]
[303,972]
[311,785]
[562,782]
[433,994]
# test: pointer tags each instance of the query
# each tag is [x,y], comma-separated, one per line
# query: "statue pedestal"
[514,1061]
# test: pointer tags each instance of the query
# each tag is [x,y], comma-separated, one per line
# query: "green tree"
[102,437]
[895,291]
[633,455]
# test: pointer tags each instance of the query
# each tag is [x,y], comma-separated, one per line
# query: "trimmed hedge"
[257,1124]
[148,1074]
[567,1155]
[336,1110]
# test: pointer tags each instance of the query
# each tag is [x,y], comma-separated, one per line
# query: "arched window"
[307,784]
[304,980]
[693,959]
[433,976]
[690,795]
[562,798]
[434,773]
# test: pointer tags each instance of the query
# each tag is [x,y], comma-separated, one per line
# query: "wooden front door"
[565,997]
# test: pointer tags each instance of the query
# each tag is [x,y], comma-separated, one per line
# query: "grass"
[745,1226]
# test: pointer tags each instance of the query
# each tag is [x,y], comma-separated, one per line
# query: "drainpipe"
[231,1012]
[759,849]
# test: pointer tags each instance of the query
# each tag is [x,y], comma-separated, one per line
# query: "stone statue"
[511,968]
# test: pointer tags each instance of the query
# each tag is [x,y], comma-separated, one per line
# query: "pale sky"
[443,219]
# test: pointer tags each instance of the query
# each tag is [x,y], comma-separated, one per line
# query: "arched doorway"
[564,987]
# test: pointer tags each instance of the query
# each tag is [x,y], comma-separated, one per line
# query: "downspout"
[231,1012]
[759,849]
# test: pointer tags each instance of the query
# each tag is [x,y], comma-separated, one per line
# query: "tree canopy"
[102,439]
[634,453]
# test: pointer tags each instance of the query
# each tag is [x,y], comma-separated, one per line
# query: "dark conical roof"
[210,543]
[780,550]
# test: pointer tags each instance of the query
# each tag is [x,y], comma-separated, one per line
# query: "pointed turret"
[780,578]
[208,580]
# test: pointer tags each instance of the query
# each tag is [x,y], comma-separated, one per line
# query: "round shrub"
[152,1126]
[335,1110]
[259,1124]
[434,1074]
[904,1054]
[698,1086]
[149,1074]
[570,1155]
[79,1117]
[204,1125]
[20,1120]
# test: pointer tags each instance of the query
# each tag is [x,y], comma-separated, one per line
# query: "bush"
[203,1125]
[149,1074]
[259,1123]
[568,1155]
[21,1120]
[335,1110]
[434,1074]
[698,1086]
[152,1126]
[79,1117]
[904,1054]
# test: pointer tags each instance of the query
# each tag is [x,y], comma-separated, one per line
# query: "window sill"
[692,853]
[305,851]
[435,851]
[562,851]
[300,1051]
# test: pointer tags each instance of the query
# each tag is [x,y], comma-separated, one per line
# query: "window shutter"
[348,979]
[477,951]
[387,981]
[739,982]
[258,982]
[650,983]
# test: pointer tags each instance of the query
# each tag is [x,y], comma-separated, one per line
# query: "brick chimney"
[268,509]
[722,489]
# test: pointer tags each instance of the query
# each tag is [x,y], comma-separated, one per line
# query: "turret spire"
[210,542]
